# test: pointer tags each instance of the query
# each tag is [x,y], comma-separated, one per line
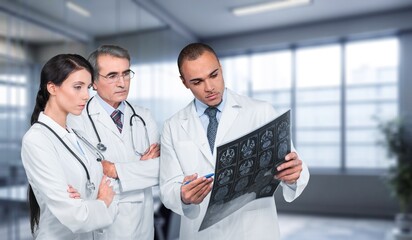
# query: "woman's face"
[73,93]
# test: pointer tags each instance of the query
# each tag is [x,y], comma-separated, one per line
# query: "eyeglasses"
[114,77]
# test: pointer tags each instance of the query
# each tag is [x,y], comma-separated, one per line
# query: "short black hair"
[192,52]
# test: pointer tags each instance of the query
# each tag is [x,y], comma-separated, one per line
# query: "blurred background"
[339,65]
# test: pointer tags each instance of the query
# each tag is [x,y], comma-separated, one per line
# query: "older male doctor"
[127,136]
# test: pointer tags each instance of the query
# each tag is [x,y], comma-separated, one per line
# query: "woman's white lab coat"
[50,167]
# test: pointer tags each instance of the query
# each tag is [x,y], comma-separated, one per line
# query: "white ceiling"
[43,21]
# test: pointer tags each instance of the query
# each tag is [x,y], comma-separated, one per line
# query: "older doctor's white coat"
[185,150]
[50,167]
[136,177]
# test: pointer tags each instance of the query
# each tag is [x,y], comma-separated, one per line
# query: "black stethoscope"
[103,148]
[89,184]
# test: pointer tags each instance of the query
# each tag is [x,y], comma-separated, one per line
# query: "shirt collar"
[61,132]
[109,109]
[201,107]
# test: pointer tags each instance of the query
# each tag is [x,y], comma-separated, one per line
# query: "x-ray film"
[245,169]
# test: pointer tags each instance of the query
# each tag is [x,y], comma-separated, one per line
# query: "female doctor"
[55,156]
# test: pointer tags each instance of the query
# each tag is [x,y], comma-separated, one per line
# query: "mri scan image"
[227,157]
[283,129]
[241,184]
[265,158]
[225,176]
[248,148]
[246,167]
[266,138]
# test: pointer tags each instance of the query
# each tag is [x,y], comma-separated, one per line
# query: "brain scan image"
[241,184]
[264,176]
[225,176]
[282,149]
[282,129]
[266,139]
[221,193]
[248,148]
[246,167]
[264,159]
[227,157]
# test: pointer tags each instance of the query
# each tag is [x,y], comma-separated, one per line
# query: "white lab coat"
[50,167]
[136,177]
[185,150]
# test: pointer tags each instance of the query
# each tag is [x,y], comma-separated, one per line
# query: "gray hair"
[111,50]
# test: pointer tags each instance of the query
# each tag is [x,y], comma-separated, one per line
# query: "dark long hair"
[56,71]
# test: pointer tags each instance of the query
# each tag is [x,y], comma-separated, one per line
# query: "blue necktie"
[212,127]
[117,119]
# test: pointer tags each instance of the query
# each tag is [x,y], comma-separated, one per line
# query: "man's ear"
[183,81]
[51,88]
[94,86]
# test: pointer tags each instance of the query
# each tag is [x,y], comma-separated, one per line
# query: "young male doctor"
[189,139]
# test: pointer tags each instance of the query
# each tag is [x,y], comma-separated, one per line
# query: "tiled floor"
[303,227]
[293,227]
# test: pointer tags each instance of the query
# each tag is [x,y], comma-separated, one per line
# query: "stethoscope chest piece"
[90,186]
[101,147]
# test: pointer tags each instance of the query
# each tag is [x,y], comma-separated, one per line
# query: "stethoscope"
[89,184]
[103,148]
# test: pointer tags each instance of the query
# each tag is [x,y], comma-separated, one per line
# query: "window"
[272,78]
[371,92]
[263,76]
[236,73]
[158,87]
[13,119]
[334,112]
[318,105]
[13,104]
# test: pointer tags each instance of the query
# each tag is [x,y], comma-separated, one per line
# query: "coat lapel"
[229,115]
[191,124]
[99,115]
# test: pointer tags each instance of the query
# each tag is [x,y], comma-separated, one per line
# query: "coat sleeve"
[47,178]
[171,175]
[136,175]
[290,192]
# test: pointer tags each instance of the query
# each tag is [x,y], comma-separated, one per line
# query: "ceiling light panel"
[268,6]
[77,9]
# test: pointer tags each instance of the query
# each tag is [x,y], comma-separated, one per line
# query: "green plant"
[398,143]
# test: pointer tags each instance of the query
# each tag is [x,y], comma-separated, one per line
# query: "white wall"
[152,46]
